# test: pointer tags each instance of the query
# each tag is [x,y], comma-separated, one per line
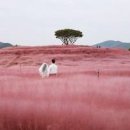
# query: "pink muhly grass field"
[88,94]
[71,101]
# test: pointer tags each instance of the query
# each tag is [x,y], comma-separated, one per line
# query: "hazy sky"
[33,22]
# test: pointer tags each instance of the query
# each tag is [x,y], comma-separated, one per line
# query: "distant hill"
[114,44]
[3,45]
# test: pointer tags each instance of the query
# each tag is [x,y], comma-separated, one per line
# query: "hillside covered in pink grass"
[90,92]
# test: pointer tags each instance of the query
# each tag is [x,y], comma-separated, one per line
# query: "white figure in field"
[50,70]
[43,70]
[53,68]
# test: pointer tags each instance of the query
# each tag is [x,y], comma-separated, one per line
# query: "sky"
[33,22]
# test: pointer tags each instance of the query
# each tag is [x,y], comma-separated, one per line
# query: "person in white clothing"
[53,68]
[43,70]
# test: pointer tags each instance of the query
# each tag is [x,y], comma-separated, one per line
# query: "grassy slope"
[37,55]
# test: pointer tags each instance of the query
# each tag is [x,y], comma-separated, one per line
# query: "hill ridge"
[4,45]
[114,44]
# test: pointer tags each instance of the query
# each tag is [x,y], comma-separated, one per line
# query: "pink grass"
[88,94]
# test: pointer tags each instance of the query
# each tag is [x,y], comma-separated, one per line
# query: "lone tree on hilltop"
[68,36]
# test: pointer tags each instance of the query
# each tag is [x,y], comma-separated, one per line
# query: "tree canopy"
[68,36]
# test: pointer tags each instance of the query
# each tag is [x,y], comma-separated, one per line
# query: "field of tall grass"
[89,94]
